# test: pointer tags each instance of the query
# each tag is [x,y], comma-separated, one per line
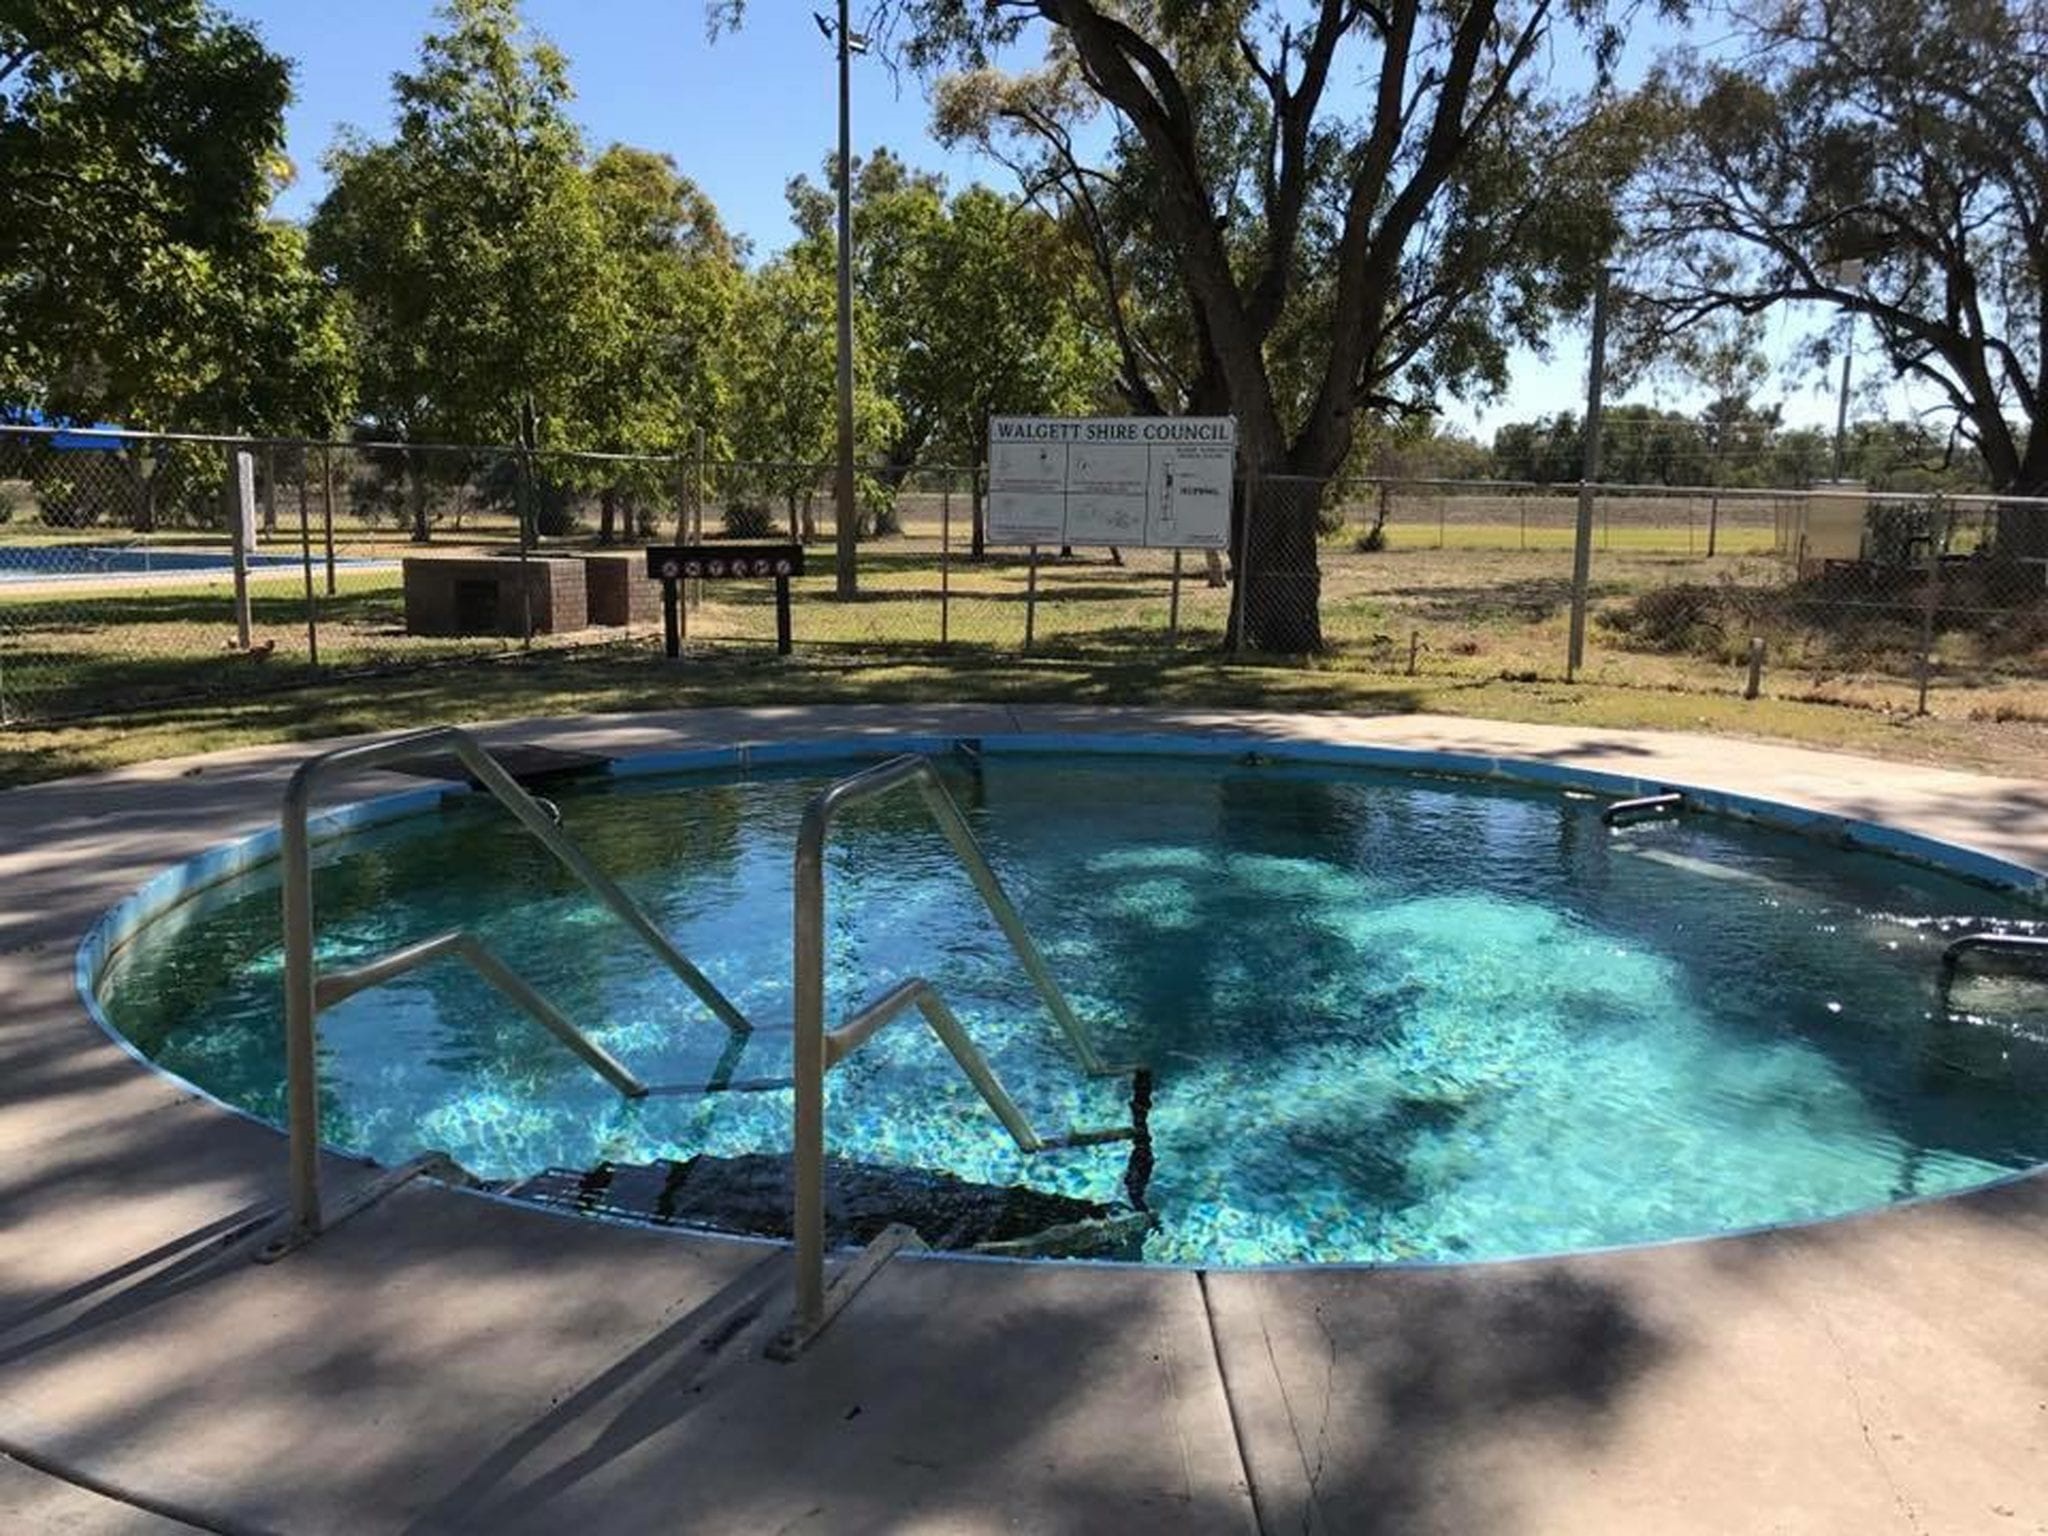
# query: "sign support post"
[1031,599]
[673,565]
[671,617]
[1173,604]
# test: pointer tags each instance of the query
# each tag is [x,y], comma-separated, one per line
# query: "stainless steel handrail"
[1625,812]
[2018,945]
[306,993]
[815,1050]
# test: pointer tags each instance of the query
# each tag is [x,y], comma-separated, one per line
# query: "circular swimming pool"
[1390,1016]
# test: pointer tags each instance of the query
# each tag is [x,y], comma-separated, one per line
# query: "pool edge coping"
[177,883]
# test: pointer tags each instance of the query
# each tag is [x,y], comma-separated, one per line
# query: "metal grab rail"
[816,1050]
[306,992]
[331,989]
[2020,946]
[1627,812]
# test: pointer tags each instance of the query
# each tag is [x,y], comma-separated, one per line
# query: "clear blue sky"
[740,116]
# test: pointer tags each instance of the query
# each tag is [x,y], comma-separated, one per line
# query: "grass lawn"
[120,671]
[633,677]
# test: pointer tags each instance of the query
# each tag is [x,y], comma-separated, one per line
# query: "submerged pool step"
[750,1195]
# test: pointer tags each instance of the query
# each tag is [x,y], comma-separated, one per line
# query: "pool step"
[750,1195]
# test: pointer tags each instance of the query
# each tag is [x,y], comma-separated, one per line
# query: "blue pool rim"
[239,856]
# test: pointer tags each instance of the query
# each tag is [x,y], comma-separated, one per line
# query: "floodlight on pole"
[846,572]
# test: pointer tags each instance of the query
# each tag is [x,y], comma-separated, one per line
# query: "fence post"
[327,509]
[1930,600]
[1031,600]
[1238,584]
[306,565]
[242,529]
[524,483]
[946,562]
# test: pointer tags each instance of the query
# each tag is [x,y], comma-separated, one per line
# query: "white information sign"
[1159,482]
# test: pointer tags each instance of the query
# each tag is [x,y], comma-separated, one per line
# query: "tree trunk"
[145,501]
[416,483]
[608,515]
[1279,604]
[979,523]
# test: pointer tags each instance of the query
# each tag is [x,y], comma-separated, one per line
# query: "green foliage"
[471,244]
[782,369]
[1302,253]
[140,143]
[1884,160]
[972,305]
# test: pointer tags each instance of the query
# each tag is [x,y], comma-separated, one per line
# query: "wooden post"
[1414,645]
[1756,667]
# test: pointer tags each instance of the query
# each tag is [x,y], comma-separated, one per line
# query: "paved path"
[445,1363]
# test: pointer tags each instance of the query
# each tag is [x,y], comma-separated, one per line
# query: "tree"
[140,279]
[1004,336]
[972,306]
[1541,452]
[1887,160]
[895,211]
[471,244]
[674,272]
[1331,263]
[781,363]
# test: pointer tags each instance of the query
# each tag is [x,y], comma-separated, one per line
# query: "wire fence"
[124,583]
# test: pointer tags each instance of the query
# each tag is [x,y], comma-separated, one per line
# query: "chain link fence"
[121,586]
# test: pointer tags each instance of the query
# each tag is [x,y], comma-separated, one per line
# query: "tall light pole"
[847,583]
[1849,273]
[1589,471]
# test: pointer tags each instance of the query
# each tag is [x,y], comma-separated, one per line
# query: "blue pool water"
[1391,1017]
[44,562]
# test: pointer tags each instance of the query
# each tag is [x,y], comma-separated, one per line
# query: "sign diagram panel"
[1133,481]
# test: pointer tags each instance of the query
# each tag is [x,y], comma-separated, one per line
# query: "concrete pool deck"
[448,1363]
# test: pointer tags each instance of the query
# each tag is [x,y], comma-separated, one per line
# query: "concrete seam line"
[121,1493]
[1244,1461]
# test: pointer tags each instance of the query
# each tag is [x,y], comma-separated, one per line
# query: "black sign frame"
[674,564]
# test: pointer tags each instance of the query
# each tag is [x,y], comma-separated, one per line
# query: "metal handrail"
[2018,945]
[307,993]
[816,1050]
[1624,812]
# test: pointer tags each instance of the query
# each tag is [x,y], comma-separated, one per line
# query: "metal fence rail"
[120,587]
